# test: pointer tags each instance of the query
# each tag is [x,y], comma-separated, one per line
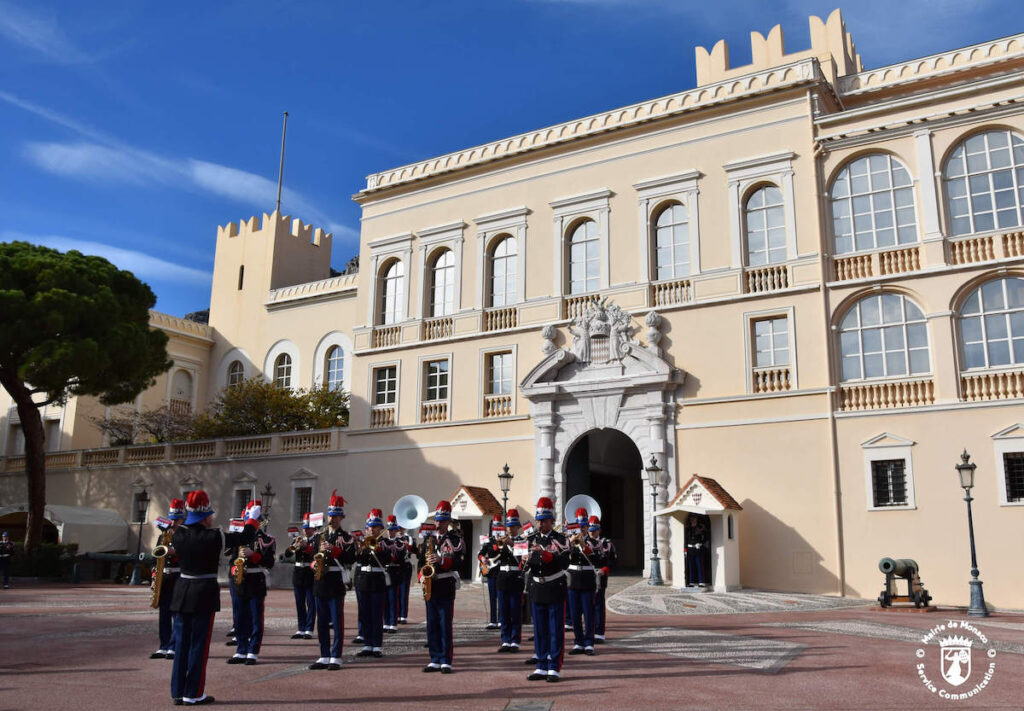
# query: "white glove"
[254,512]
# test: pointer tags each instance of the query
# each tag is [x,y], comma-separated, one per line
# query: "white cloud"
[104,158]
[144,266]
[38,33]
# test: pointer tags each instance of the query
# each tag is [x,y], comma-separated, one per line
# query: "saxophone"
[427,571]
[239,569]
[160,553]
[320,559]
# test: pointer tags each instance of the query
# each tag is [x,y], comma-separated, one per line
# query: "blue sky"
[132,129]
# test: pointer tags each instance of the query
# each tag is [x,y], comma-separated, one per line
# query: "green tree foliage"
[72,325]
[258,407]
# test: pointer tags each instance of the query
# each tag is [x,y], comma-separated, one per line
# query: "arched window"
[442,284]
[283,371]
[503,272]
[883,335]
[766,227]
[392,292]
[984,176]
[236,373]
[672,242]
[872,205]
[584,259]
[992,324]
[334,363]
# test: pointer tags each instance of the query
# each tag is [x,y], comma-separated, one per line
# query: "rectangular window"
[889,482]
[1013,466]
[771,342]
[499,373]
[302,501]
[385,385]
[435,380]
[242,499]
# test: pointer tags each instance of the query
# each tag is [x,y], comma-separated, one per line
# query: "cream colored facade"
[754,158]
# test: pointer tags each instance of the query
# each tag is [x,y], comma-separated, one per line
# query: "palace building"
[797,288]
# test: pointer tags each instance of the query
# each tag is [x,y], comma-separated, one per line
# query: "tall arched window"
[584,258]
[992,324]
[503,272]
[984,177]
[283,371]
[672,242]
[883,335]
[334,364]
[392,292]
[236,373]
[442,284]
[872,205]
[766,226]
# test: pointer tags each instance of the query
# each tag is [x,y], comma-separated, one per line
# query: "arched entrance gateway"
[601,409]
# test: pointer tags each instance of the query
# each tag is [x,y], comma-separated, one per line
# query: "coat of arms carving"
[602,334]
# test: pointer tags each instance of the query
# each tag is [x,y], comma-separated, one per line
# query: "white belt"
[171,570]
[302,565]
[442,576]
[581,567]
[206,576]
[509,568]
[371,569]
[548,578]
[252,571]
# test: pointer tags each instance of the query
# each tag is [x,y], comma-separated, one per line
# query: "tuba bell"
[410,511]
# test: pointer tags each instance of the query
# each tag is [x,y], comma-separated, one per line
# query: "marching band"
[552,576]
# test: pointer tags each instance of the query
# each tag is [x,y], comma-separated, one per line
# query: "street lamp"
[267,497]
[654,477]
[505,482]
[966,471]
[141,515]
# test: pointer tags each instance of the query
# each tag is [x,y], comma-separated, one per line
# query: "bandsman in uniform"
[231,554]
[604,558]
[549,557]
[338,549]
[197,594]
[510,584]
[449,552]
[396,574]
[488,558]
[252,593]
[6,553]
[582,587]
[371,584]
[175,514]
[407,568]
[302,552]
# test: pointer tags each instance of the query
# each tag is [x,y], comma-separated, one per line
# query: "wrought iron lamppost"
[654,478]
[141,516]
[505,482]
[966,471]
[267,497]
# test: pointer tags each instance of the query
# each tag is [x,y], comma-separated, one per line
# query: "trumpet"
[160,553]
[298,543]
[370,543]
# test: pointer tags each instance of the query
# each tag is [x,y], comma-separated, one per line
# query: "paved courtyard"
[87,647]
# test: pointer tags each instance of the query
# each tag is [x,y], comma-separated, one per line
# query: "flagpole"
[280,168]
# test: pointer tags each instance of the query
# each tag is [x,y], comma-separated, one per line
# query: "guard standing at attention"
[335,548]
[372,555]
[510,584]
[252,593]
[449,550]
[175,514]
[549,557]
[197,594]
[604,558]
[302,580]
[582,586]
[488,558]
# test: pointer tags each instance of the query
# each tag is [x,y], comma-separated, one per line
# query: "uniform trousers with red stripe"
[249,628]
[510,612]
[549,635]
[440,613]
[188,675]
[371,617]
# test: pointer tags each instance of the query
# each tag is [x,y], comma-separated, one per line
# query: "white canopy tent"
[94,530]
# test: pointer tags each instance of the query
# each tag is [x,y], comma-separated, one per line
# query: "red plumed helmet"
[581,513]
[198,500]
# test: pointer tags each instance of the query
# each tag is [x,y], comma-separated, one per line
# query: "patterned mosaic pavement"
[643,599]
[879,630]
[759,654]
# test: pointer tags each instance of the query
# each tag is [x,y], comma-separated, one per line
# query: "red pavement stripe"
[206,656]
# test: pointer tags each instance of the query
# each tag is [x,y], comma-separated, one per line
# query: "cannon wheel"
[884,599]
[919,599]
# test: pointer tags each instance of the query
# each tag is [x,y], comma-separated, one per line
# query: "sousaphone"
[581,501]
[411,511]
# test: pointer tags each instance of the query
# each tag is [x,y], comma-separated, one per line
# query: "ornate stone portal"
[606,379]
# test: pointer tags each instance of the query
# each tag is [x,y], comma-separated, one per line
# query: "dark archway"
[606,464]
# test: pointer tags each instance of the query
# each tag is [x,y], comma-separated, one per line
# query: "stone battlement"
[277,222]
[831,45]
